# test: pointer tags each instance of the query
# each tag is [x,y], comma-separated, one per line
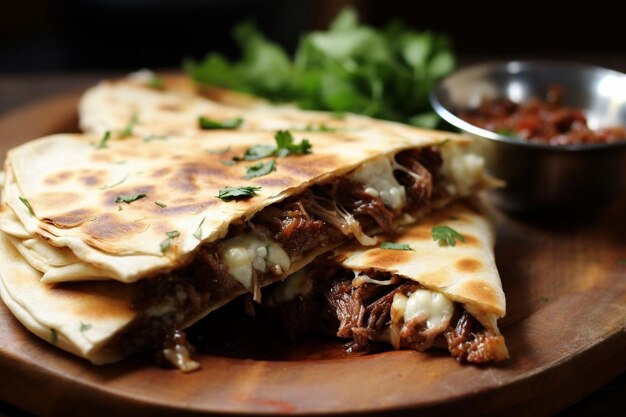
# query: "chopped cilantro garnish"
[446,235]
[106,187]
[27,204]
[198,233]
[160,204]
[257,152]
[129,198]
[150,138]
[166,243]
[321,127]
[206,123]
[506,132]
[395,246]
[285,144]
[155,82]
[128,130]
[444,142]
[84,327]
[103,142]
[237,193]
[260,169]
[229,163]
[54,337]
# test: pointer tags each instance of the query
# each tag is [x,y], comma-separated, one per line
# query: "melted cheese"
[299,283]
[377,177]
[247,253]
[434,308]
[463,169]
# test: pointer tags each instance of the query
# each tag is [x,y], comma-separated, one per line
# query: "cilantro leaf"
[162,205]
[103,142]
[395,246]
[84,327]
[128,130]
[54,337]
[129,198]
[156,82]
[198,233]
[260,169]
[285,144]
[27,204]
[166,243]
[350,67]
[446,235]
[207,124]
[237,193]
[257,152]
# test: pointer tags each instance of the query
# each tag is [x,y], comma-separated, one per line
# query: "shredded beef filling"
[319,217]
[362,314]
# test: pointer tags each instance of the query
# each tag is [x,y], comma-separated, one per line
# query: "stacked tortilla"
[114,240]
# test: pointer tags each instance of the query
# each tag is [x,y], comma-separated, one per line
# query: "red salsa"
[540,121]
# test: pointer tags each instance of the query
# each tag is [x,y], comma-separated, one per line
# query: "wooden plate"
[565,329]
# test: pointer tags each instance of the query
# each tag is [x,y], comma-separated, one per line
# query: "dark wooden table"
[17,90]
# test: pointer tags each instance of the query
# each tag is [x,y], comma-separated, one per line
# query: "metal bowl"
[539,176]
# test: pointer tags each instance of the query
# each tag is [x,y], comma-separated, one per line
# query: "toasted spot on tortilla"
[174,210]
[275,181]
[419,233]
[90,180]
[56,200]
[161,172]
[440,278]
[58,178]
[113,227]
[308,166]
[478,290]
[471,240]
[170,107]
[71,218]
[387,258]
[110,196]
[469,265]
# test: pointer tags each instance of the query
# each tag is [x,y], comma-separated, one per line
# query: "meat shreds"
[362,313]
[322,216]
[424,163]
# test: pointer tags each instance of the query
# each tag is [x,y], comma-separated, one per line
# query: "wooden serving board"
[565,328]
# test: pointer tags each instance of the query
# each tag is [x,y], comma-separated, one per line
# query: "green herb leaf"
[207,124]
[27,204]
[129,198]
[198,233]
[506,132]
[229,163]
[106,187]
[395,246]
[160,204]
[446,235]
[257,152]
[351,67]
[128,130]
[237,193]
[54,337]
[321,127]
[156,82]
[444,142]
[84,327]
[260,169]
[103,142]
[150,138]
[166,243]
[285,144]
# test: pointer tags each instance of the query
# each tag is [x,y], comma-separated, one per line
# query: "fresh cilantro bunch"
[348,68]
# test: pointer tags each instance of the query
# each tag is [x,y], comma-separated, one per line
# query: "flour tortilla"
[465,273]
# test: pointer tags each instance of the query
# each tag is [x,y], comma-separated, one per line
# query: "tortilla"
[61,223]
[463,274]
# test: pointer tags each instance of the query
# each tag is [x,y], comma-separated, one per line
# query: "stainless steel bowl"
[543,177]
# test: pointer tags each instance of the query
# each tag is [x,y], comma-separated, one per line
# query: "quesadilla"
[435,284]
[177,107]
[178,227]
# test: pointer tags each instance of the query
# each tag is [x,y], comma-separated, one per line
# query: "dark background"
[62,35]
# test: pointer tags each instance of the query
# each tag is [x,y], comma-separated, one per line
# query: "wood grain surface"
[564,278]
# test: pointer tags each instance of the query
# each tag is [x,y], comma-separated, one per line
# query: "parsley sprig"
[446,235]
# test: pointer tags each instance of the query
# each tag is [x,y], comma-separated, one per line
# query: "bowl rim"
[459,123]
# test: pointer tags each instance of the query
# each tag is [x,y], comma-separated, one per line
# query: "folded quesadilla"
[177,106]
[435,284]
[177,227]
